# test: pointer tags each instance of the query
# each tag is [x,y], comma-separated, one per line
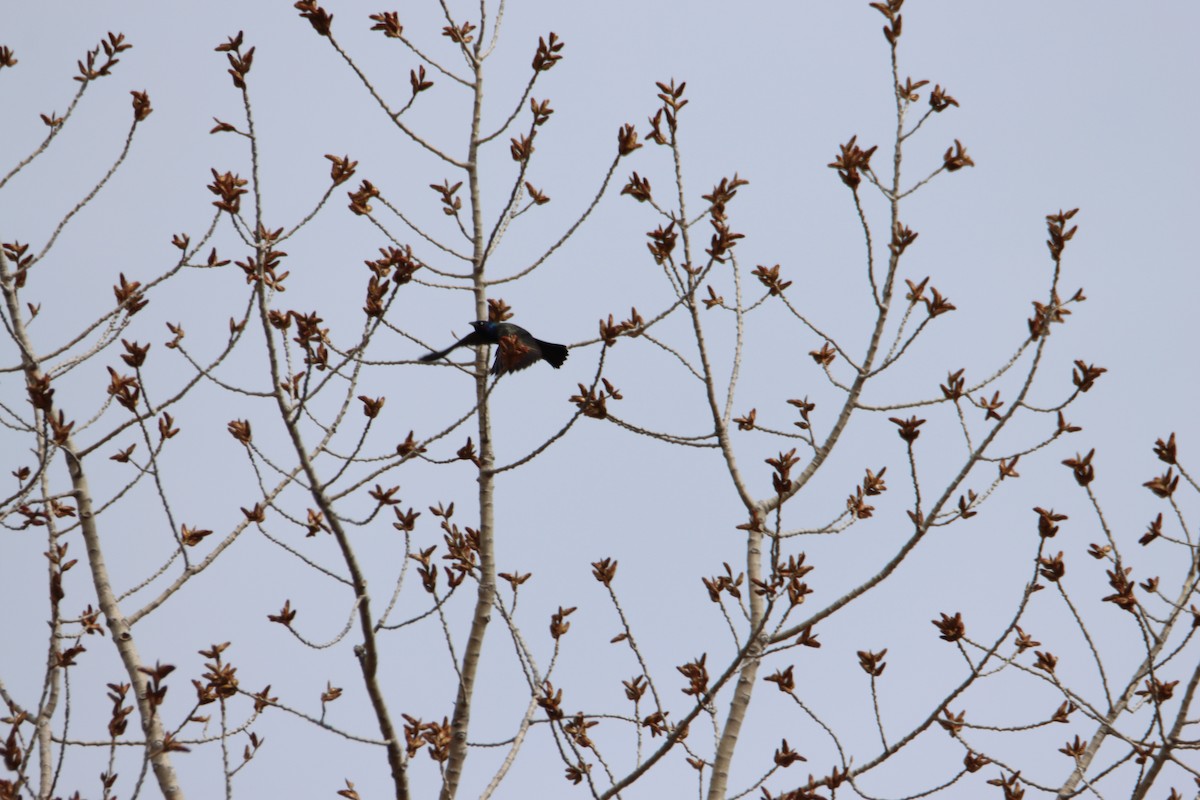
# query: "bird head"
[484,326]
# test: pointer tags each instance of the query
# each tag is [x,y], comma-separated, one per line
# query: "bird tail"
[555,354]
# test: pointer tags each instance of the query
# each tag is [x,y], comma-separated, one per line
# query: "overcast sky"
[1064,104]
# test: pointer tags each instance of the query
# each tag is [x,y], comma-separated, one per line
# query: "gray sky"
[1063,104]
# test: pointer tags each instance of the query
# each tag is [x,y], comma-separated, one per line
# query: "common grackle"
[517,347]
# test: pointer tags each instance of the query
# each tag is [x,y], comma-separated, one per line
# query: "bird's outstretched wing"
[472,338]
[516,347]
[439,354]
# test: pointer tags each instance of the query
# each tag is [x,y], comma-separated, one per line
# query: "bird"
[517,347]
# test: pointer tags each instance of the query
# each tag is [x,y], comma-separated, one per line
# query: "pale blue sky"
[1063,104]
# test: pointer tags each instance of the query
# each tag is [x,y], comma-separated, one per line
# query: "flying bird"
[517,347]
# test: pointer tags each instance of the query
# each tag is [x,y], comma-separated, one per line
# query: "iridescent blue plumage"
[517,347]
